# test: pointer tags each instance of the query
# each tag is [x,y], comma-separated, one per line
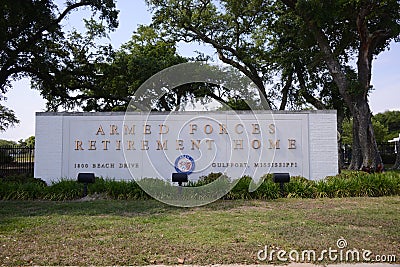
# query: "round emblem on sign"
[184,164]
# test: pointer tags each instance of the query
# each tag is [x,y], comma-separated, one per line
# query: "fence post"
[15,160]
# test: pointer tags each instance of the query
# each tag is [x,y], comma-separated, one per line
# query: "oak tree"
[310,43]
[32,39]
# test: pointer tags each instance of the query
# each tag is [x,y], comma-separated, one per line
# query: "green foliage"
[359,184]
[345,30]
[20,187]
[4,143]
[274,38]
[386,127]
[380,130]
[241,189]
[310,45]
[347,184]
[33,44]
[236,104]
[391,120]
[203,180]
[7,118]
[30,142]
[236,30]
[300,187]
[108,78]
[117,189]
[63,190]
[22,179]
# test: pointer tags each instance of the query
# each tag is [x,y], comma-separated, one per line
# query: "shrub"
[63,190]
[203,180]
[359,184]
[346,184]
[241,189]
[21,191]
[300,187]
[22,178]
[118,189]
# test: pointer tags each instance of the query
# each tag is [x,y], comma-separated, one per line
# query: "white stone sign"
[137,146]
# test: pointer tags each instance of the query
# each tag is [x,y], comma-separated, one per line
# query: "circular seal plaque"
[184,164]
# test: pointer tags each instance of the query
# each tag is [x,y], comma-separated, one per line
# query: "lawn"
[111,232]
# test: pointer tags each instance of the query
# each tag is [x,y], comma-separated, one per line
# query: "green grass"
[116,232]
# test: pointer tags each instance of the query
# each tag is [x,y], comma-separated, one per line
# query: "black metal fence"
[16,160]
[387,150]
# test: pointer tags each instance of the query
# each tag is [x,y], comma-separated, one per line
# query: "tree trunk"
[365,152]
[356,156]
[285,92]
[364,132]
[367,46]
[340,118]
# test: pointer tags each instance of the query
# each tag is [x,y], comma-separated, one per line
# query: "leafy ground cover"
[346,184]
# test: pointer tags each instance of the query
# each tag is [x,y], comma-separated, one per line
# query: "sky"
[25,101]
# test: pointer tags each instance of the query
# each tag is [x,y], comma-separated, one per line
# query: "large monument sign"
[138,145]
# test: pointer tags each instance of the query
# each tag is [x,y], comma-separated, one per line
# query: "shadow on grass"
[124,208]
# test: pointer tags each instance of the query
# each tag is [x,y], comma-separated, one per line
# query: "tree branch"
[304,91]
[330,59]
[290,3]
[285,91]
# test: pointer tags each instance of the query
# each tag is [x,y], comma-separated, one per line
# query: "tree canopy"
[345,30]
[311,44]
[32,41]
[381,131]
[106,80]
[391,120]
[7,118]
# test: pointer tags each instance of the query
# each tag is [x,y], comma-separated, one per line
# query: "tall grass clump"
[21,191]
[63,190]
[346,184]
[268,189]
[241,189]
[114,189]
[300,187]
[359,184]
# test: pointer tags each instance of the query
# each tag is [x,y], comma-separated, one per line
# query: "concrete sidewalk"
[286,265]
[267,265]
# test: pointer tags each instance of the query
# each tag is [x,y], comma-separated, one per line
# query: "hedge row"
[347,184]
